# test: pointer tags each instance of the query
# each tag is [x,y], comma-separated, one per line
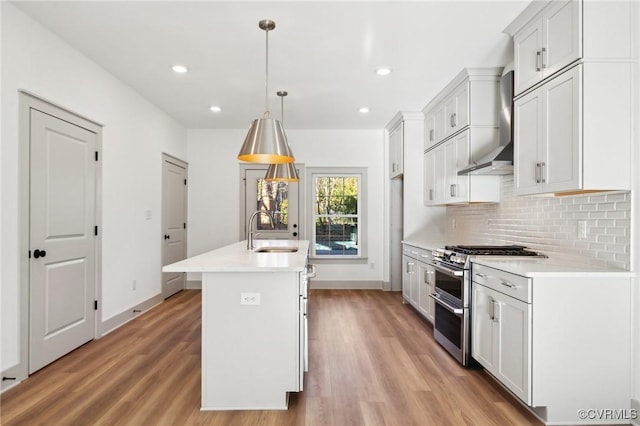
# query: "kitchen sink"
[276,249]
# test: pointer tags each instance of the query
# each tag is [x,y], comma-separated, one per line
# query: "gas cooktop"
[482,250]
[460,255]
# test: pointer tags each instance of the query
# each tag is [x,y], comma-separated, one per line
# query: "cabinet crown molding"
[404,116]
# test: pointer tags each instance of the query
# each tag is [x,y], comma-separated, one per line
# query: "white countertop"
[550,267]
[236,258]
[423,244]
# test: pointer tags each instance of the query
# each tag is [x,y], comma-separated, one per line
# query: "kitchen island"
[254,343]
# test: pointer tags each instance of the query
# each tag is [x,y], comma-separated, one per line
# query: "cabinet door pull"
[543,171]
[480,275]
[452,189]
[538,172]
[492,312]
[431,194]
[544,50]
[431,137]
[455,120]
[538,55]
[508,284]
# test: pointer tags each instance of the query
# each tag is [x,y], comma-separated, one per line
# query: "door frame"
[180,163]
[27,101]
[242,231]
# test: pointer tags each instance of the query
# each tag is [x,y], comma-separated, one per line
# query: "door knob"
[166,237]
[39,253]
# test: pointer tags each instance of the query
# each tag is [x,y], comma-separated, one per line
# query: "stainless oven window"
[449,325]
[449,284]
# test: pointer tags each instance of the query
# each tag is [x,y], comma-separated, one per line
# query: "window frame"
[361,174]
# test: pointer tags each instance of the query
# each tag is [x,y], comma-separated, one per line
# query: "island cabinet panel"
[250,340]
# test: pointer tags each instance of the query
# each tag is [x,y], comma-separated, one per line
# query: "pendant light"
[283,172]
[266,141]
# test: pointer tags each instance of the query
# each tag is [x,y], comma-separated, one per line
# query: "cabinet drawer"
[516,286]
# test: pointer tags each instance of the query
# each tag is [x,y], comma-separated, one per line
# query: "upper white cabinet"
[548,37]
[404,130]
[461,125]
[548,43]
[572,113]
[470,99]
[396,150]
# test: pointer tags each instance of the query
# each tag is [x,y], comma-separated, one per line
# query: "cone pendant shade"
[266,143]
[285,172]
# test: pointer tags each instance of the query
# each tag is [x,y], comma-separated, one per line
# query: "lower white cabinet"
[426,282]
[418,280]
[502,333]
[558,340]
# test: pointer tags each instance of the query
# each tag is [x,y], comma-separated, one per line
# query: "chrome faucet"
[250,230]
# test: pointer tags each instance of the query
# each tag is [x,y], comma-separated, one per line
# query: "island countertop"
[236,258]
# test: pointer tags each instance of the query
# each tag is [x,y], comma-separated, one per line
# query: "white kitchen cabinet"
[443,185]
[470,99]
[405,132]
[502,338]
[456,110]
[418,280]
[461,125]
[396,150]
[426,284]
[548,37]
[563,132]
[548,43]
[409,276]
[534,330]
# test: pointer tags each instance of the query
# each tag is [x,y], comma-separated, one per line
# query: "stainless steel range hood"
[497,162]
[500,160]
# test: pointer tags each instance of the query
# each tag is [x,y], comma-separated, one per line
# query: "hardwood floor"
[373,361]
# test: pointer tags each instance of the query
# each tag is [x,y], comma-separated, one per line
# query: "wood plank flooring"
[373,361]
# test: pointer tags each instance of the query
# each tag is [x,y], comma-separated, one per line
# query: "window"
[337,216]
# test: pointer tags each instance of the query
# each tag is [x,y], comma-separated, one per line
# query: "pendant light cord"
[266,83]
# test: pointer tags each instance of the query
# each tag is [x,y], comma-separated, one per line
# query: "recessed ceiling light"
[383,71]
[363,110]
[215,108]
[180,69]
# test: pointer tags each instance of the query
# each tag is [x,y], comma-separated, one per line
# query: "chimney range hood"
[500,160]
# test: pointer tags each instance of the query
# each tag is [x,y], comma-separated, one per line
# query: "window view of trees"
[272,197]
[336,215]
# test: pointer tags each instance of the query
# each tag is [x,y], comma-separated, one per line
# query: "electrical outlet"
[453,223]
[134,285]
[372,265]
[249,298]
[147,214]
[582,229]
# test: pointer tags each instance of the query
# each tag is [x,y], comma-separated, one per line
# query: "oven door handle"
[445,305]
[448,271]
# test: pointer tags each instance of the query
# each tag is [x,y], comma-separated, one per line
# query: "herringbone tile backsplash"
[550,224]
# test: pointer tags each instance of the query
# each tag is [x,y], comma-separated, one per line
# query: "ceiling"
[323,53]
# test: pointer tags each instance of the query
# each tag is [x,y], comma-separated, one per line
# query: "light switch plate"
[249,298]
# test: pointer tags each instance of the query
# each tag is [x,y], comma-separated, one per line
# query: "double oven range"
[452,293]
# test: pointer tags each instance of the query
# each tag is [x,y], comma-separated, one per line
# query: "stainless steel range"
[452,293]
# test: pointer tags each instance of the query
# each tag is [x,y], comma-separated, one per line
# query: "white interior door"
[278,199]
[62,238]
[174,222]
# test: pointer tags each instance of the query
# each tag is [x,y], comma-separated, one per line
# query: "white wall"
[134,136]
[214,174]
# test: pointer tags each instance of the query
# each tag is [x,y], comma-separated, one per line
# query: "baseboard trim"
[122,318]
[346,285]
[17,373]
[635,409]
[194,285]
